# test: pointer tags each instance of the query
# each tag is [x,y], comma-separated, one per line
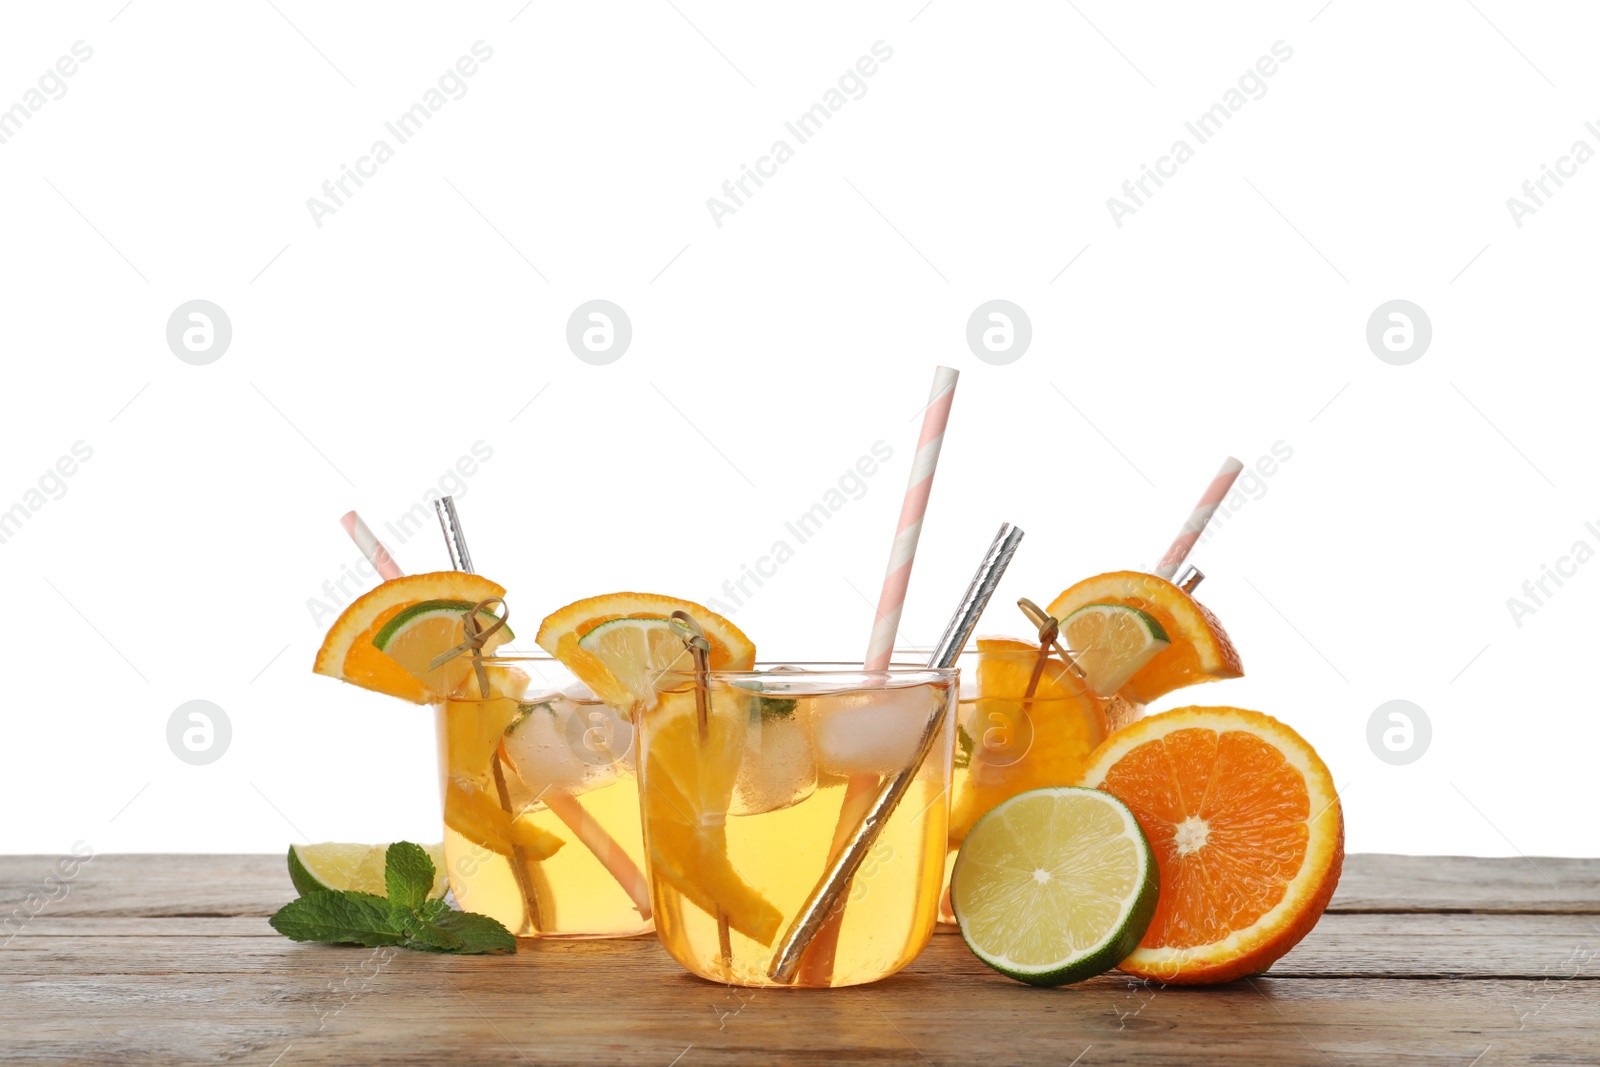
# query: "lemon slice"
[424,630]
[1112,642]
[342,866]
[1055,886]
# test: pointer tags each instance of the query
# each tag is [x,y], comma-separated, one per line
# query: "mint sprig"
[405,918]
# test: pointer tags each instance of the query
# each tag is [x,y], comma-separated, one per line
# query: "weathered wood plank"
[123,884]
[159,959]
[1378,882]
[1371,945]
[514,1009]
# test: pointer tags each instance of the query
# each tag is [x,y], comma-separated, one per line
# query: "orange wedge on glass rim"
[618,644]
[348,652]
[1247,830]
[1199,649]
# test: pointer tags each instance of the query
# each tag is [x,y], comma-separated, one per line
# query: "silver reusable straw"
[455,542]
[461,560]
[1191,577]
[965,620]
[828,892]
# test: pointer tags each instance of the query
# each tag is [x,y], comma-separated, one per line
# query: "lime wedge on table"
[1055,885]
[424,630]
[336,865]
[1111,642]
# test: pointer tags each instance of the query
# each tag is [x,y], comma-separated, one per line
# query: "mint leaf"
[342,917]
[433,910]
[776,707]
[459,932]
[430,937]
[476,933]
[408,874]
[964,742]
[406,917]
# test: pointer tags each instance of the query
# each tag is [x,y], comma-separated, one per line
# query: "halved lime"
[424,630]
[1055,885]
[637,651]
[1111,642]
[343,866]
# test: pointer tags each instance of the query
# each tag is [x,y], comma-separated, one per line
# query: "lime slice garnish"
[637,651]
[342,866]
[426,629]
[1055,885]
[1111,642]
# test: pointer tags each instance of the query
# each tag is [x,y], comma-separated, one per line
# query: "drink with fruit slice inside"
[1134,637]
[741,815]
[1008,742]
[541,808]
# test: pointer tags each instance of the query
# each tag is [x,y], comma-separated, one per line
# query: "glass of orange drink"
[749,789]
[1010,738]
[541,810]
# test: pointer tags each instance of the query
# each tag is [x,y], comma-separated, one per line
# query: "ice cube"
[569,747]
[779,768]
[873,731]
[600,736]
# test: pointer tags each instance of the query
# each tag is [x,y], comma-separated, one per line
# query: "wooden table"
[169,959]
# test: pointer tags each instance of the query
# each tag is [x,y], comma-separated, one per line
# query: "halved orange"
[1200,650]
[347,652]
[1012,745]
[619,643]
[1247,831]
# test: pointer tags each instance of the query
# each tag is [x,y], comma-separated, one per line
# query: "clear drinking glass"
[746,810]
[541,810]
[1009,741]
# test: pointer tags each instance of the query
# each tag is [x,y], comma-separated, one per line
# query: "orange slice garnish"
[1200,650]
[347,652]
[635,645]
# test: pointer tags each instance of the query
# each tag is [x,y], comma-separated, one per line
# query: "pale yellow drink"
[741,818]
[1008,741]
[541,807]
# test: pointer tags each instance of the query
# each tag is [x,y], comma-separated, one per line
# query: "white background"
[428,313]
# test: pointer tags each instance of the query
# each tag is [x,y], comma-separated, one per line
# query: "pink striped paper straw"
[370,546]
[612,856]
[904,551]
[1196,523]
[817,964]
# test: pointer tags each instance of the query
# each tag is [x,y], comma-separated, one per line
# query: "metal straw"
[965,620]
[455,542]
[835,881]
[461,560]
